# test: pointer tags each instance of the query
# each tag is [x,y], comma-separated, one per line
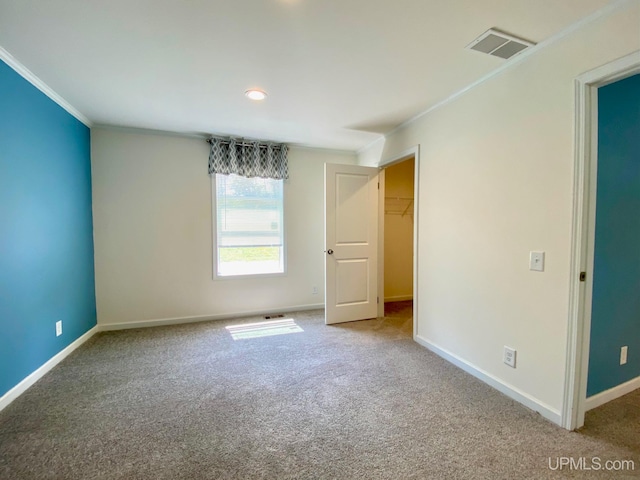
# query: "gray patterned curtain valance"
[248,158]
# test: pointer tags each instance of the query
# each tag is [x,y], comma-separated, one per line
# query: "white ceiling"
[338,72]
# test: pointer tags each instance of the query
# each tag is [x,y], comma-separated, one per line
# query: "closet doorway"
[398,239]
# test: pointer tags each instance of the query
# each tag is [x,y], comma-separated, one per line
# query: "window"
[248,223]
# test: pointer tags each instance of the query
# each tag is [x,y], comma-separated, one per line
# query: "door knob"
[330,252]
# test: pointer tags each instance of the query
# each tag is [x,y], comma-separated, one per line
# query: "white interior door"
[351,242]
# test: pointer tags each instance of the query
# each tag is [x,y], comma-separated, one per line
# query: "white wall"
[398,232]
[153,232]
[496,173]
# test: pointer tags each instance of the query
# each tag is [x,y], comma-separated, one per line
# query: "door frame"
[583,231]
[401,157]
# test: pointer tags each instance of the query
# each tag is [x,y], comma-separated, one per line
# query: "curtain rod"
[246,143]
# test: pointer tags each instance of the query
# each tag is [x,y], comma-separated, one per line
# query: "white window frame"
[214,250]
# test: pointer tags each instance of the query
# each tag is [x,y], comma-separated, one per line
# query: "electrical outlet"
[58,328]
[314,290]
[623,355]
[509,356]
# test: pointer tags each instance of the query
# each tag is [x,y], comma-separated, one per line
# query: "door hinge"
[377,299]
[583,276]
[378,185]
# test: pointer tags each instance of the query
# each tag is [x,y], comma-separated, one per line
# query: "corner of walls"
[153,231]
[46,246]
[371,155]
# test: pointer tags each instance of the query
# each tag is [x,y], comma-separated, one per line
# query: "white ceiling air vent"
[499,44]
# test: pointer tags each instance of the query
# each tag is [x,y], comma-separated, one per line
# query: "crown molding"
[205,136]
[150,131]
[371,144]
[30,77]
[336,151]
[519,58]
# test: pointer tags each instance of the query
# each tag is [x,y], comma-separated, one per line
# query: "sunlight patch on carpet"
[264,329]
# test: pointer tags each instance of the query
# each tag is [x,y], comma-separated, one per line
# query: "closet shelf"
[398,206]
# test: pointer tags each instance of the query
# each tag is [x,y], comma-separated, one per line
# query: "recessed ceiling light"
[255,94]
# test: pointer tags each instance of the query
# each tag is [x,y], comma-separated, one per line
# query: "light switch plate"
[623,355]
[536,261]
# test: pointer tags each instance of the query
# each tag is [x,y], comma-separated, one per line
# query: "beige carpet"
[355,401]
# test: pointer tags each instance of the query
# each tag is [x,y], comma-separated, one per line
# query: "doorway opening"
[397,232]
[581,295]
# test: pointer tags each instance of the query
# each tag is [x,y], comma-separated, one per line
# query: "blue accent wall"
[46,229]
[615,316]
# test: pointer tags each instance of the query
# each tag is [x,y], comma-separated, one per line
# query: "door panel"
[352,198]
[351,238]
[352,281]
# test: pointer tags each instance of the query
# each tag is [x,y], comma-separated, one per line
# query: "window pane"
[249,225]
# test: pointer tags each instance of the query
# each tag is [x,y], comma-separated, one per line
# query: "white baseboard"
[20,388]
[204,318]
[509,390]
[398,298]
[611,394]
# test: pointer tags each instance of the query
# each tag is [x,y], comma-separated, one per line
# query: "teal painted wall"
[615,317]
[46,229]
